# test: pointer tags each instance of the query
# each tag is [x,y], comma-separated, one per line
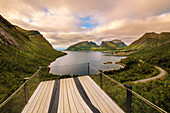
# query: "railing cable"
[9,98]
[133,92]
[147,101]
[94,68]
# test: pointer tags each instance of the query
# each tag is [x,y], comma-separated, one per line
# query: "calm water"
[75,62]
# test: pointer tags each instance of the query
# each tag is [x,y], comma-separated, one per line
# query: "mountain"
[104,46]
[107,45]
[14,38]
[150,40]
[112,45]
[21,54]
[118,43]
[147,41]
[85,45]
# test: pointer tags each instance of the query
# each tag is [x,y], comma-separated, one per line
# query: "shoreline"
[48,68]
[56,58]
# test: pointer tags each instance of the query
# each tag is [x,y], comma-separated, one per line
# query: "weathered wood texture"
[40,100]
[69,99]
[98,97]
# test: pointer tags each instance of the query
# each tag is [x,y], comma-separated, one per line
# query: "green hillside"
[119,43]
[112,45]
[147,41]
[107,46]
[156,91]
[150,40]
[21,54]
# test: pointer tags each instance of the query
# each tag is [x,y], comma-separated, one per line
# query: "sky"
[66,22]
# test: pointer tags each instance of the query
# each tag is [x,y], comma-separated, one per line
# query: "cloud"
[66,22]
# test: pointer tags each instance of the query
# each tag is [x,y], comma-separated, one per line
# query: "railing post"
[88,68]
[40,73]
[25,89]
[101,79]
[129,99]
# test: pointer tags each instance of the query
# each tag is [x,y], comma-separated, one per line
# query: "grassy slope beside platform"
[22,57]
[156,91]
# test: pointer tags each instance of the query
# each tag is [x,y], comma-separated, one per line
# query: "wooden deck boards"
[70,97]
[105,101]
[40,100]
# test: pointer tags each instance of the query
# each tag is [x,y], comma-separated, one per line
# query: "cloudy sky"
[66,22]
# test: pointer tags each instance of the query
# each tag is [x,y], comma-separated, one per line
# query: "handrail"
[133,92]
[147,101]
[9,98]
[93,68]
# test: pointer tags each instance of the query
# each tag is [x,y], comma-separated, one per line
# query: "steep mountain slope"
[150,40]
[105,45]
[10,36]
[85,45]
[21,53]
[147,41]
[18,39]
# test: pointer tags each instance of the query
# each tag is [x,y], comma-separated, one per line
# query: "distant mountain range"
[92,46]
[148,40]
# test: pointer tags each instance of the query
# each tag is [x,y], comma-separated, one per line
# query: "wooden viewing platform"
[70,95]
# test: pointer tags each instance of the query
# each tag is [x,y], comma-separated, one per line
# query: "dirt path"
[162,73]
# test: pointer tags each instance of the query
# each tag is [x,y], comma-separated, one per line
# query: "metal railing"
[16,102]
[133,101]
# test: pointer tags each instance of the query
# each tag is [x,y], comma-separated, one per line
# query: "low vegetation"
[21,54]
[133,70]
[156,91]
[18,64]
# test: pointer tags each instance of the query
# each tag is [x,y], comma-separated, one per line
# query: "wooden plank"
[61,100]
[84,95]
[37,105]
[94,96]
[89,95]
[48,97]
[30,109]
[75,98]
[33,98]
[98,94]
[112,105]
[84,105]
[43,100]
[70,98]
[66,101]
[102,96]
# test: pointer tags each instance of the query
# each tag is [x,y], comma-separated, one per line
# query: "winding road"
[162,73]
